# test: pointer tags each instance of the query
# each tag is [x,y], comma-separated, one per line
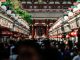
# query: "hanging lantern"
[66,42]
[70,13]
[13,15]
[4,8]
[16,18]
[66,18]
[78,6]
[67,36]
[73,33]
[9,12]
[60,36]
[75,9]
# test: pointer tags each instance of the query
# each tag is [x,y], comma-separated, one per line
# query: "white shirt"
[13,57]
[76,57]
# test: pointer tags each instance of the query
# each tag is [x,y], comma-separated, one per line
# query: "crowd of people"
[39,50]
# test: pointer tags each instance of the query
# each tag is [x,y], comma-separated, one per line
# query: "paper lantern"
[75,9]
[67,36]
[9,12]
[66,42]
[16,18]
[4,8]
[73,33]
[78,6]
[70,14]
[66,18]
[13,15]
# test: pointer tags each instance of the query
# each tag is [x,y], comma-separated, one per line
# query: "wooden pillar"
[79,38]
[47,29]
[33,32]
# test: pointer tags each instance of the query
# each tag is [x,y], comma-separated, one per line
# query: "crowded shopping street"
[39,29]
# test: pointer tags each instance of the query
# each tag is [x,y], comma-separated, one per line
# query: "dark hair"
[30,43]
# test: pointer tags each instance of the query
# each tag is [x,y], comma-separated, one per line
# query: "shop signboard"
[17,29]
[67,29]
[55,32]
[59,30]
[73,24]
[78,20]
[5,23]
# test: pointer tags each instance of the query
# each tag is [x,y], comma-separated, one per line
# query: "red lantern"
[73,33]
[60,36]
[66,42]
[67,36]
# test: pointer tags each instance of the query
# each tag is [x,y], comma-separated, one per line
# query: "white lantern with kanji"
[75,9]
[4,8]
[13,15]
[9,12]
[66,18]
[70,14]
[78,6]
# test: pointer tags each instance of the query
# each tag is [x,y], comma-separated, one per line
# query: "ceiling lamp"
[66,18]
[9,12]
[70,13]
[4,8]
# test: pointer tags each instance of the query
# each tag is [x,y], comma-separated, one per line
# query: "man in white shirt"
[77,57]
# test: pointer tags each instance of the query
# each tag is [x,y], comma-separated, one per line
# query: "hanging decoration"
[10,6]
[9,12]
[4,8]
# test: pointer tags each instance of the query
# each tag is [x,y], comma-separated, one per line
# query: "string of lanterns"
[11,13]
[70,13]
